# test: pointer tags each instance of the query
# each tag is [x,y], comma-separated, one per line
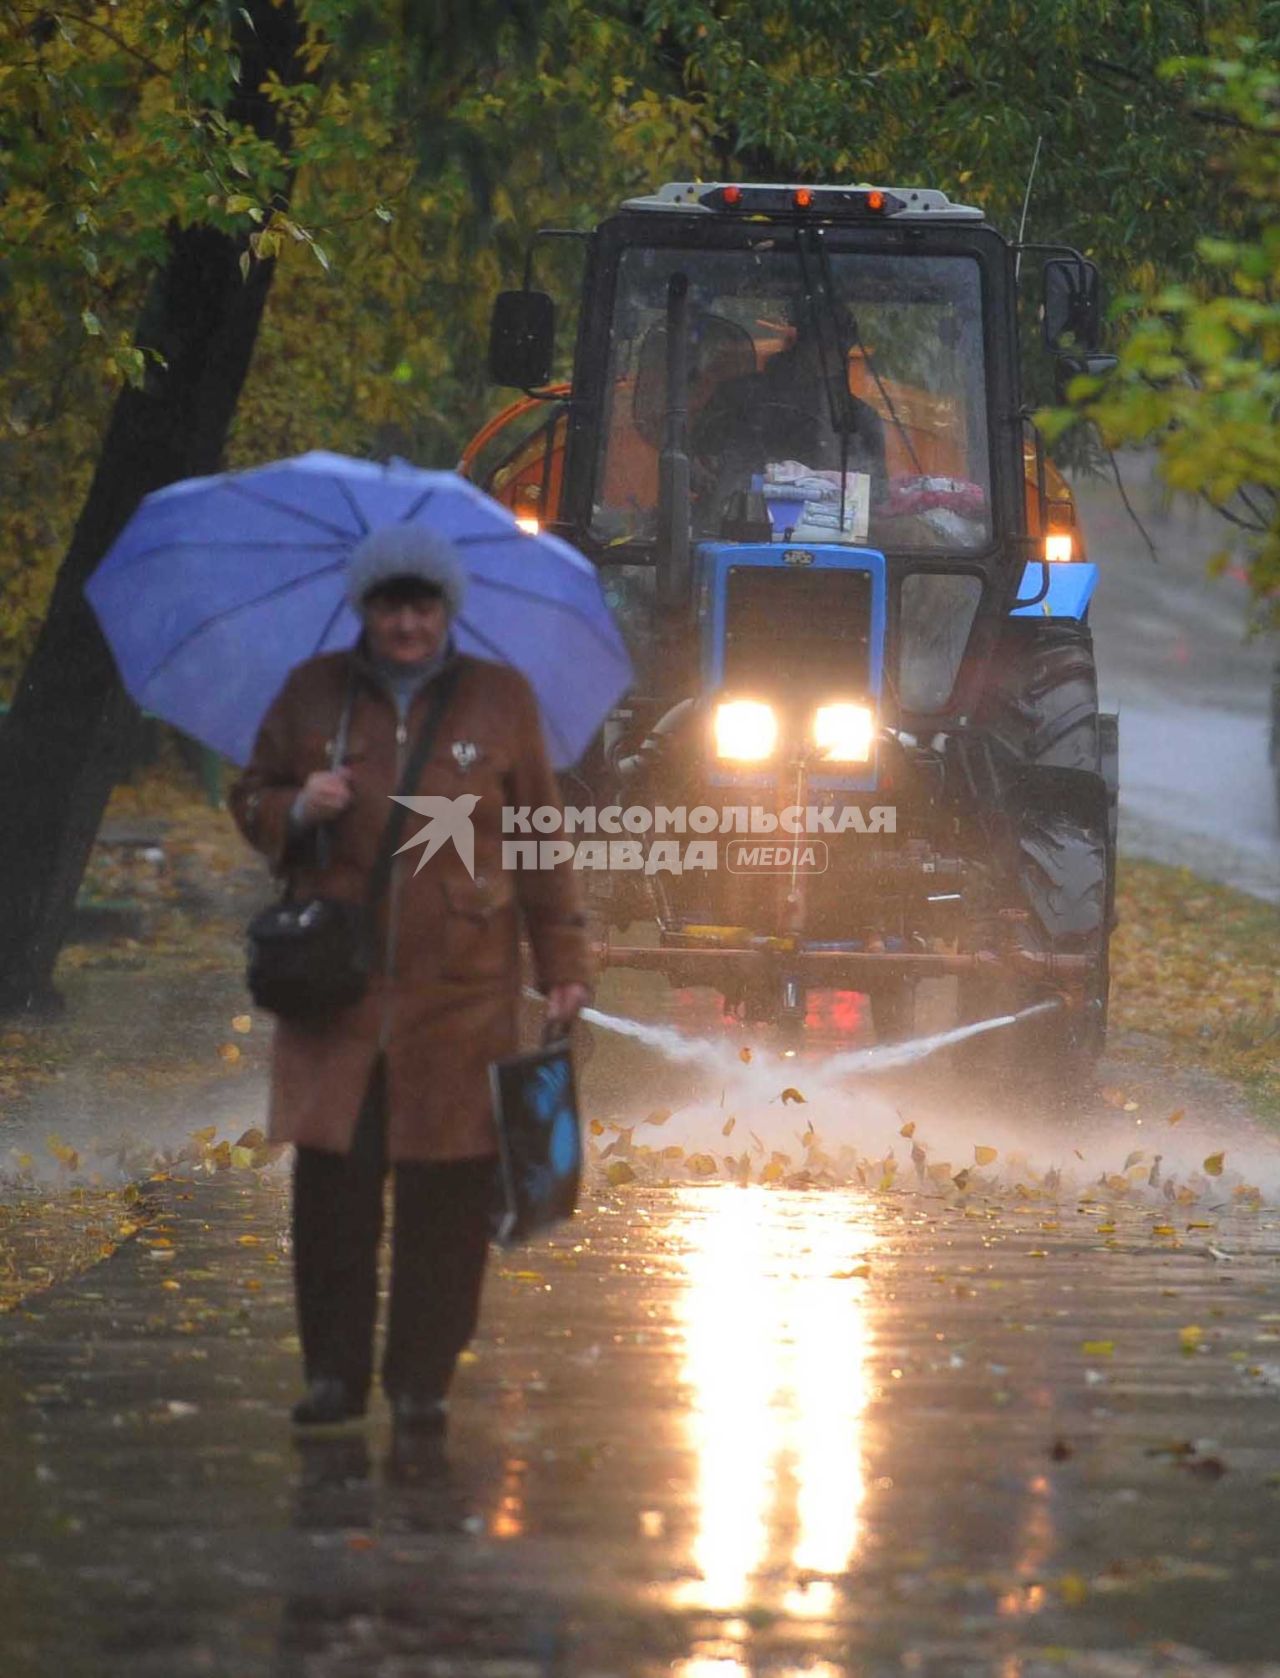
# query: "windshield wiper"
[838,317]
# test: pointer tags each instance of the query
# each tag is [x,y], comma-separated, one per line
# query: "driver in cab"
[781,413]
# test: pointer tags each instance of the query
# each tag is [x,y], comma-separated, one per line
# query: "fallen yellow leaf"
[242,1023]
[1213,1165]
[744,1055]
[229,1053]
[1098,1348]
[984,1156]
[791,1095]
[619,1173]
[908,1129]
[1177,1116]
[726,1129]
[1190,1337]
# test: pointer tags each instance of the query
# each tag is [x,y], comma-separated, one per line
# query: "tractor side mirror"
[1068,367]
[1072,305]
[522,339]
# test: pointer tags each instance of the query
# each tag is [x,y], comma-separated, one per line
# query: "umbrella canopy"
[218,586]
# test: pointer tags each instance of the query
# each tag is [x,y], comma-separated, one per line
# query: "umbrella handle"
[337,752]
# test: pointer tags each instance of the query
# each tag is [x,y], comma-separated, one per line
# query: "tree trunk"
[67,735]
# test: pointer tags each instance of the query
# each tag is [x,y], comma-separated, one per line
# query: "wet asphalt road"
[1032,1428]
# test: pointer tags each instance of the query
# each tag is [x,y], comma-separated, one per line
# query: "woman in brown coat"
[400,1078]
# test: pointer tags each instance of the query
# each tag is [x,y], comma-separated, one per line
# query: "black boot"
[328,1403]
[419,1415]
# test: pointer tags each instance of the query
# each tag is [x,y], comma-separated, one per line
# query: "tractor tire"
[1065,870]
[1041,705]
[1040,715]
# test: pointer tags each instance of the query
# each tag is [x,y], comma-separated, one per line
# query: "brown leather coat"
[448,1005]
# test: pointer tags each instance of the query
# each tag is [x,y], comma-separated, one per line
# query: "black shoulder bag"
[307,959]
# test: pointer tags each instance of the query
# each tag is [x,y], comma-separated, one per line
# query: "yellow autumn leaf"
[672,1153]
[726,1129]
[660,1115]
[941,1173]
[1098,1348]
[619,1172]
[908,1129]
[206,1135]
[984,1156]
[243,1023]
[1213,1164]
[771,1173]
[65,1155]
[744,1055]
[248,1240]
[229,1053]
[1072,1589]
[251,1138]
[1177,1116]
[859,1273]
[596,1128]
[702,1165]
[1190,1337]
[790,1094]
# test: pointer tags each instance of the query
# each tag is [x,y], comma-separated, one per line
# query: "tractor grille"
[791,628]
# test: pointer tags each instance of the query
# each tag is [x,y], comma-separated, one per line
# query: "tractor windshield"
[767,428]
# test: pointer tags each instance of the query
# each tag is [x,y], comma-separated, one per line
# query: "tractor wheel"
[1041,704]
[1040,715]
[1065,865]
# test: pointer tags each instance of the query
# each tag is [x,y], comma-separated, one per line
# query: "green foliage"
[1199,370]
[954,93]
[418,146]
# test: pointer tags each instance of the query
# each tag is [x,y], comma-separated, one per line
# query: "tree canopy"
[1199,371]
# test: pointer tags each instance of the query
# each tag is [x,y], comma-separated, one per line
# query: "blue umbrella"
[218,586]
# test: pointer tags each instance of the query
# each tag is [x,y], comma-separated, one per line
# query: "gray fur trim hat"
[405,550]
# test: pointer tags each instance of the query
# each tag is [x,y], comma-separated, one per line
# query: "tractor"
[855,594]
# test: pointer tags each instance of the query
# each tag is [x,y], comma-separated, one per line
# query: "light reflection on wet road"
[775,1335]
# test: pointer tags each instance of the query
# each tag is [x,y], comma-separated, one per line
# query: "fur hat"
[405,550]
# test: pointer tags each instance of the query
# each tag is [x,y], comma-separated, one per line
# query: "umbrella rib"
[223,617]
[354,506]
[484,641]
[333,617]
[249,493]
[418,505]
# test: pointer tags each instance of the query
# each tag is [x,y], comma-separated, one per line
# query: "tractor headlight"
[745,730]
[844,733]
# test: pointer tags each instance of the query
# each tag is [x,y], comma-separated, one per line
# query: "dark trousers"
[440,1242]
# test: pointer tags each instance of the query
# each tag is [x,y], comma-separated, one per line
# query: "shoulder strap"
[441,694]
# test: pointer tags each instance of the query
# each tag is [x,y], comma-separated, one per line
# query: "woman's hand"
[563,1003]
[325,795]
